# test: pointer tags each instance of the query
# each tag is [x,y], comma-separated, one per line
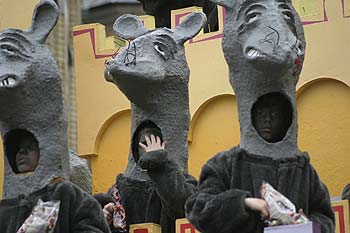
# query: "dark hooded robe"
[231,176]
[159,194]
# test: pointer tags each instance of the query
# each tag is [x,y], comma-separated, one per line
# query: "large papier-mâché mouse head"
[264,47]
[31,103]
[152,56]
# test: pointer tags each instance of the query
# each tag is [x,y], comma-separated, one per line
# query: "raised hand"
[152,143]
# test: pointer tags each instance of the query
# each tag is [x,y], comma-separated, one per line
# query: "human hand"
[152,144]
[257,204]
[108,212]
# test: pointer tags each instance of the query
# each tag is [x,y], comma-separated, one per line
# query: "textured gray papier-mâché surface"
[31,100]
[79,172]
[153,74]
[264,47]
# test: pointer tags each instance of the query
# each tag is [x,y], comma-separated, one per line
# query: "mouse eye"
[12,50]
[162,49]
[252,16]
[288,16]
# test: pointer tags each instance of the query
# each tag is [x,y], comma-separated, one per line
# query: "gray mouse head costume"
[31,103]
[152,57]
[264,47]
[153,74]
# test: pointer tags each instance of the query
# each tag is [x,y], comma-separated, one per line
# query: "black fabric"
[160,200]
[233,175]
[79,212]
[103,198]
[346,192]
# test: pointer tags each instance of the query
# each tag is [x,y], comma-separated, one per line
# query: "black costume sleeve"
[85,212]
[153,159]
[320,208]
[172,185]
[216,207]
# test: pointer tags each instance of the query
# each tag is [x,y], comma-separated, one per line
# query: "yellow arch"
[324,132]
[111,149]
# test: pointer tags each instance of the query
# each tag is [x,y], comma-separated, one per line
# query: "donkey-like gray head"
[264,47]
[267,34]
[31,102]
[152,56]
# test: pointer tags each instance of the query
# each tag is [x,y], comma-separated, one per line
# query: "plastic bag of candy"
[281,209]
[42,219]
[119,221]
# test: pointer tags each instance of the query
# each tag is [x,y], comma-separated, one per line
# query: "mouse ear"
[191,26]
[129,27]
[45,17]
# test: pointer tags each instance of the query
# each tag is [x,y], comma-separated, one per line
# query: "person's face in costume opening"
[27,157]
[271,116]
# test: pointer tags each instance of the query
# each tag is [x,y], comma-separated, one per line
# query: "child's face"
[268,121]
[27,157]
[271,117]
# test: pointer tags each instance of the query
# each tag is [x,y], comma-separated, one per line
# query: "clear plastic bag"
[282,211]
[42,219]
